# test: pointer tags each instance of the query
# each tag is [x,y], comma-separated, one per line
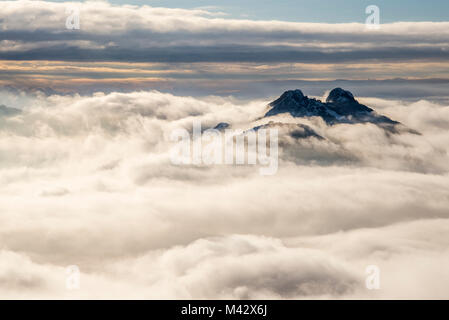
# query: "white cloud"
[87,181]
[36,30]
[100,16]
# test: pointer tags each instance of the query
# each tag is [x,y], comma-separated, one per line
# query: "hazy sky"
[331,11]
[229,48]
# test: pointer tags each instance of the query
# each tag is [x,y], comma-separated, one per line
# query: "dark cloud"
[234,53]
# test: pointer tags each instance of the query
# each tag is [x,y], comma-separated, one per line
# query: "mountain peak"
[338,95]
[340,107]
[291,95]
[288,101]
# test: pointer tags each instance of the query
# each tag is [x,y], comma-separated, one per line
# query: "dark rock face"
[222,126]
[298,105]
[338,95]
[343,102]
[340,107]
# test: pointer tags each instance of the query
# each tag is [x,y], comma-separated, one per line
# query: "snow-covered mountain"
[340,107]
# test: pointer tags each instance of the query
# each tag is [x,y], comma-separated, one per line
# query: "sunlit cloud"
[97,190]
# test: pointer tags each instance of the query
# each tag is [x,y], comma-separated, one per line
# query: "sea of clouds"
[88,181]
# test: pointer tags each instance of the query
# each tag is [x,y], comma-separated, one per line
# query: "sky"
[86,181]
[249,49]
[331,11]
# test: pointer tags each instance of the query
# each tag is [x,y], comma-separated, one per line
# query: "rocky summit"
[340,107]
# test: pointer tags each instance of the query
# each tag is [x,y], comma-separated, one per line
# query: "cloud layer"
[87,181]
[127,48]
[35,30]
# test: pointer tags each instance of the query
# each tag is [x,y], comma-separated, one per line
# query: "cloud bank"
[35,30]
[87,181]
[128,48]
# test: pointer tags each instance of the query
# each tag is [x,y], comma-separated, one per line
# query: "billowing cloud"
[87,181]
